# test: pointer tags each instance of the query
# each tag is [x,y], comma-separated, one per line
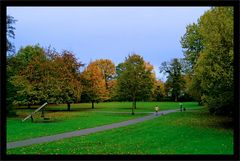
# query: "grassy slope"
[190,132]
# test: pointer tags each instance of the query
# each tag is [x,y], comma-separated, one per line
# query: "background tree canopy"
[205,74]
[38,78]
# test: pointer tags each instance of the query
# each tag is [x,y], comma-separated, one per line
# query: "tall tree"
[94,83]
[135,80]
[10,33]
[175,81]
[214,68]
[192,43]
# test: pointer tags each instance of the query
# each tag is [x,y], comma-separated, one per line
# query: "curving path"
[56,137]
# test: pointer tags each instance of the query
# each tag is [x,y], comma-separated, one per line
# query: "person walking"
[156,110]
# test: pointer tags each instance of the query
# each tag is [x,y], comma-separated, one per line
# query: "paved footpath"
[56,137]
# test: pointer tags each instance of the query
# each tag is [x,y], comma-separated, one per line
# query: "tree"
[68,86]
[175,82]
[192,43]
[10,33]
[94,86]
[22,74]
[134,80]
[40,75]
[214,68]
[158,90]
[108,71]
[112,89]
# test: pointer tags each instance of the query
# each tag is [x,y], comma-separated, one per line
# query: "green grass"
[190,132]
[120,106]
[81,116]
[18,130]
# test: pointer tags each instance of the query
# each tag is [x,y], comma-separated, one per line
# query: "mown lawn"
[81,116]
[190,132]
[63,122]
[119,106]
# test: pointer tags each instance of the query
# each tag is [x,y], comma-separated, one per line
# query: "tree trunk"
[92,104]
[68,106]
[176,98]
[133,105]
[132,109]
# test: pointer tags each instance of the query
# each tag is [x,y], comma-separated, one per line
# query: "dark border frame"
[124,3]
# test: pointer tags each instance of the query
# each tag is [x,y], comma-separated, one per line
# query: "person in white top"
[156,110]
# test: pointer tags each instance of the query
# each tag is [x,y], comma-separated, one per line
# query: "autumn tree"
[158,90]
[94,86]
[66,71]
[108,71]
[175,82]
[135,80]
[23,72]
[112,89]
[41,76]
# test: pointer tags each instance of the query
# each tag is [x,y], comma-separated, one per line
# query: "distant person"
[156,110]
[181,108]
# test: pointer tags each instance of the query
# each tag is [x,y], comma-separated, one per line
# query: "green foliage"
[192,44]
[135,80]
[11,91]
[23,74]
[214,68]
[175,82]
[209,49]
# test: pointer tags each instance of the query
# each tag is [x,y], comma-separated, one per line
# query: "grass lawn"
[65,122]
[81,116]
[120,106]
[190,132]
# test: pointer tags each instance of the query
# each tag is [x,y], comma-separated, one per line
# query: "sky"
[106,32]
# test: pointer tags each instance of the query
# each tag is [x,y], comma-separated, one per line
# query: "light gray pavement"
[56,137]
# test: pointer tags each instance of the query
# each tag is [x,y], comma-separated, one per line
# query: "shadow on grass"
[207,120]
[71,110]
[47,121]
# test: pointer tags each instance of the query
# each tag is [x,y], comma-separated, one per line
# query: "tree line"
[205,74]
[36,75]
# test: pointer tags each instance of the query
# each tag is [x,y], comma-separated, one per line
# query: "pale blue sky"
[106,32]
